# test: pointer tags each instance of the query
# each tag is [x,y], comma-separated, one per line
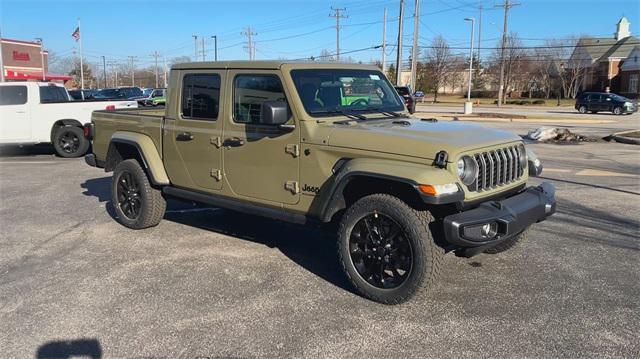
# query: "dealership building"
[26,61]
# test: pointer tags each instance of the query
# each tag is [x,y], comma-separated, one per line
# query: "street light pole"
[468,106]
[39,40]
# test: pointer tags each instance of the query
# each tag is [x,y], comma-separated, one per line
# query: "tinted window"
[201,96]
[109,93]
[53,94]
[250,91]
[134,92]
[13,95]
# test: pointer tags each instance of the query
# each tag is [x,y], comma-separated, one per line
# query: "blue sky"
[289,29]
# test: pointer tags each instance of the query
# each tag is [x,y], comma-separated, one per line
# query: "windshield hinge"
[216,173]
[216,141]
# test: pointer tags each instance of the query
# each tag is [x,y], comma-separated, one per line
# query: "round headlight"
[522,156]
[467,170]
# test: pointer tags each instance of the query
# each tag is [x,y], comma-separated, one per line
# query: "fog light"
[481,232]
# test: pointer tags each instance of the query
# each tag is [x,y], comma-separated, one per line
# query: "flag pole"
[81,63]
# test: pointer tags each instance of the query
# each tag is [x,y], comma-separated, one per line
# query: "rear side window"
[53,94]
[250,91]
[201,96]
[13,95]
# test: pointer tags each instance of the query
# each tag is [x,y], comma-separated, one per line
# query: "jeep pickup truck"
[324,143]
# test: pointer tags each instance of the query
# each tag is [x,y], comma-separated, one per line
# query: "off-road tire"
[508,244]
[153,205]
[582,109]
[77,150]
[617,110]
[426,254]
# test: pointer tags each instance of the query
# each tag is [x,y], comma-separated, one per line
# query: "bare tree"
[439,64]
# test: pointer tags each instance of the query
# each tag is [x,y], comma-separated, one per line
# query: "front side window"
[201,96]
[13,95]
[326,92]
[250,92]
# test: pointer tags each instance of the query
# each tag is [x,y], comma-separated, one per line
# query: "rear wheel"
[582,109]
[386,249]
[69,141]
[137,204]
[617,110]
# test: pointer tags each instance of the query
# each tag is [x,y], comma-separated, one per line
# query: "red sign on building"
[21,56]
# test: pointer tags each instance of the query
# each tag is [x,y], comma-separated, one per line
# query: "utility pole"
[195,43]
[468,110]
[203,52]
[507,5]
[251,47]
[479,31]
[414,50]
[132,59]
[384,40]
[156,55]
[164,67]
[104,70]
[215,47]
[336,14]
[81,60]
[399,52]
[114,66]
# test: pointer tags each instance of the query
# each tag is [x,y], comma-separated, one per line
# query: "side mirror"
[274,113]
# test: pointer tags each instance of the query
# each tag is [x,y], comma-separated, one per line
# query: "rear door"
[260,160]
[15,122]
[193,140]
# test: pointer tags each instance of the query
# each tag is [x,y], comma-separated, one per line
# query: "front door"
[260,160]
[15,124]
[193,140]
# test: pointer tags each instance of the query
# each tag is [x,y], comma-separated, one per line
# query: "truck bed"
[106,123]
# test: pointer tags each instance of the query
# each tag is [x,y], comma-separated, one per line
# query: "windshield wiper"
[387,112]
[344,112]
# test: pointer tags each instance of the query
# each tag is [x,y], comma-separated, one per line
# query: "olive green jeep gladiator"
[324,143]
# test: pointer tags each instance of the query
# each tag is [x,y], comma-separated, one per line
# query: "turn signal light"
[438,189]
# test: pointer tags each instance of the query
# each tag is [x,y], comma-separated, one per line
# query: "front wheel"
[69,142]
[137,204]
[386,249]
[617,110]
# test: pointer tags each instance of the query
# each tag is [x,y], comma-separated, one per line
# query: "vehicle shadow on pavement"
[312,248]
[15,150]
[85,348]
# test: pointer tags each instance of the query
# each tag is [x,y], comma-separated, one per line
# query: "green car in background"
[156,98]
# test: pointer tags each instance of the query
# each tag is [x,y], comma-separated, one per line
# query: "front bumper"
[511,216]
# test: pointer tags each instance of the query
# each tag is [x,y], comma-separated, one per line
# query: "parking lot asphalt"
[208,282]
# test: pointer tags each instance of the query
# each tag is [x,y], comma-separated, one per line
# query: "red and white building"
[26,61]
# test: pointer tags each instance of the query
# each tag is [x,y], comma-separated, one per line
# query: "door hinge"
[293,150]
[216,173]
[216,141]
[292,186]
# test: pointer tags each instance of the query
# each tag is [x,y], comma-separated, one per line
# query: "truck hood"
[416,138]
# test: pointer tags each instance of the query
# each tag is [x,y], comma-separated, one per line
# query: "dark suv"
[601,101]
[407,96]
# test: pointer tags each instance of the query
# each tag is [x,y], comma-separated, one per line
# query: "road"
[212,283]
[600,124]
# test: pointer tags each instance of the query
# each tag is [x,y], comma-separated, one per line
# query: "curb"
[620,138]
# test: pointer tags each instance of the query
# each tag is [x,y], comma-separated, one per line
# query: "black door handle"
[185,136]
[234,142]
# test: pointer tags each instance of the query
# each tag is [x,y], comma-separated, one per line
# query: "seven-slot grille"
[497,167]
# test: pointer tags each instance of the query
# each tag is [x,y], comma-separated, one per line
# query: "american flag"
[76,34]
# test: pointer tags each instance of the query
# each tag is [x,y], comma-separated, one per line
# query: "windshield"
[329,91]
[147,92]
[108,93]
[619,98]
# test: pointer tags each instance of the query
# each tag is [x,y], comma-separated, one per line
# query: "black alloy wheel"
[380,251]
[128,195]
[69,142]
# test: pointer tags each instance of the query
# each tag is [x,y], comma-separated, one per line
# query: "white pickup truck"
[41,112]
